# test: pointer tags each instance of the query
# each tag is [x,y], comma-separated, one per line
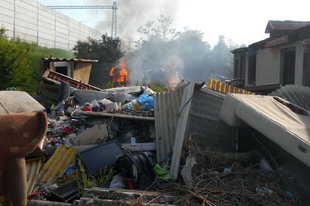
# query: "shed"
[78,69]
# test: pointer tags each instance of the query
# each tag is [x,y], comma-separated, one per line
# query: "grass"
[88,181]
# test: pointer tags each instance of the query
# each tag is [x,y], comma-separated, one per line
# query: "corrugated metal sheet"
[33,168]
[57,164]
[225,88]
[166,112]
[68,60]
[181,129]
[298,95]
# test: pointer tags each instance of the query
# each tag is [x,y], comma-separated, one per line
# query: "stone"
[94,135]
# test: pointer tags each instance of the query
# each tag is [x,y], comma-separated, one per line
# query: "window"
[287,75]
[252,70]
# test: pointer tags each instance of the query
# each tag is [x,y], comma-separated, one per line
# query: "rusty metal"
[70,60]
[20,134]
[52,77]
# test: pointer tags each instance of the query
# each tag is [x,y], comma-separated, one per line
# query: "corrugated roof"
[285,25]
[166,111]
[298,95]
[225,88]
[69,60]
[33,168]
[57,164]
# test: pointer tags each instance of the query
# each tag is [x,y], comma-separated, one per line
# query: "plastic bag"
[146,101]
[117,182]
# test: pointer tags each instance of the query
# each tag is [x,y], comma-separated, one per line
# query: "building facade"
[282,59]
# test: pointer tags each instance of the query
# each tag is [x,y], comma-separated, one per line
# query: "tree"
[147,30]
[2,31]
[221,57]
[186,52]
[174,51]
[106,50]
[162,32]
[194,52]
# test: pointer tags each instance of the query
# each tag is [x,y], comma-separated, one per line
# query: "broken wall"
[205,126]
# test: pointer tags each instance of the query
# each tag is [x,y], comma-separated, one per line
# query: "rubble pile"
[229,179]
[101,148]
[87,144]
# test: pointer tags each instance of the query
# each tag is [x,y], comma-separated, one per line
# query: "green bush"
[20,62]
[15,70]
[157,88]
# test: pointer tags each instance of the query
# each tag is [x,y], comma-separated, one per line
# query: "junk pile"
[215,178]
[101,139]
[101,148]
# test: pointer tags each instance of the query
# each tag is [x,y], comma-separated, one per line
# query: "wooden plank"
[149,146]
[181,129]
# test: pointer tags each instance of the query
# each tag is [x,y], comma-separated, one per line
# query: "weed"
[88,181]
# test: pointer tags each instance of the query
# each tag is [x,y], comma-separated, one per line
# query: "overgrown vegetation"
[87,181]
[20,62]
[109,85]
[157,88]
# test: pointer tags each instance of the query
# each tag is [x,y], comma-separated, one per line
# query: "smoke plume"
[131,14]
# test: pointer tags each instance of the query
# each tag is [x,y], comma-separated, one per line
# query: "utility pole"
[113,7]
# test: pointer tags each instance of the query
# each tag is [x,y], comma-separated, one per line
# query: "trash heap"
[86,160]
[217,178]
[97,139]
[100,149]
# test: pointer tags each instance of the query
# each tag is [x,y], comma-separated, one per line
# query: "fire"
[112,72]
[123,73]
[172,81]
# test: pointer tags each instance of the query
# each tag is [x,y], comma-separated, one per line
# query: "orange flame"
[112,72]
[172,81]
[123,73]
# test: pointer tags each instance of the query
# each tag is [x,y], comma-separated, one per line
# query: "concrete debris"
[95,135]
[187,170]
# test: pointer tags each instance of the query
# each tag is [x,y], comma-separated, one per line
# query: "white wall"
[268,64]
[31,21]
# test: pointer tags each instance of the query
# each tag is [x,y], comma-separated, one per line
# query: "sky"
[244,22]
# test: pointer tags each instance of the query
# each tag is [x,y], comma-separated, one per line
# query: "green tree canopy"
[106,50]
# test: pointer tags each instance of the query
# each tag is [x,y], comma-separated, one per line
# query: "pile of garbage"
[97,138]
[100,149]
[217,178]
